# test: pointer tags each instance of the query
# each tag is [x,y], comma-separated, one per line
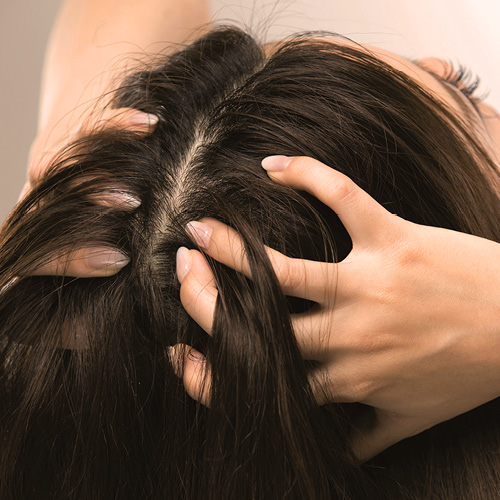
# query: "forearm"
[90,38]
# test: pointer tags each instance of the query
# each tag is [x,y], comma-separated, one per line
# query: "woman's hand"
[408,323]
[47,145]
[92,43]
[95,261]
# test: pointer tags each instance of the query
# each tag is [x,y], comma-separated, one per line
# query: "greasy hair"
[91,407]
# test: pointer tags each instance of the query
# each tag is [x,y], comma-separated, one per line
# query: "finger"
[198,290]
[378,430]
[323,332]
[197,378]
[84,263]
[129,119]
[43,155]
[302,278]
[192,367]
[320,387]
[362,216]
[336,382]
[333,382]
[312,333]
[115,197]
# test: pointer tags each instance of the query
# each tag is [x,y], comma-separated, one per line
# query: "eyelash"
[465,81]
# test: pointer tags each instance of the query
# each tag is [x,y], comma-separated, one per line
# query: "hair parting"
[91,406]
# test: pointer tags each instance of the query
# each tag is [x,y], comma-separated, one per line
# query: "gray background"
[463,30]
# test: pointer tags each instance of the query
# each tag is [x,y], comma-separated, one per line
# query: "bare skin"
[414,329]
[407,323]
[92,43]
[95,261]
[420,328]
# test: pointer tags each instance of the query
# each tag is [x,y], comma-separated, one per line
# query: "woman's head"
[111,419]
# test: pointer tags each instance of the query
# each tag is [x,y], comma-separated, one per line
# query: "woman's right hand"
[96,261]
[408,323]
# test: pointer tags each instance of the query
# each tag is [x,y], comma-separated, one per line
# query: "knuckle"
[356,390]
[343,190]
[408,253]
[289,273]
[299,165]
[368,340]
[197,380]
[321,388]
[347,388]
[199,301]
[187,294]
[298,171]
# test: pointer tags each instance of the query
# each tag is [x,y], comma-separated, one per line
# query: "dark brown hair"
[111,420]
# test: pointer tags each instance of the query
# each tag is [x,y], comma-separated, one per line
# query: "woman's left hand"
[96,261]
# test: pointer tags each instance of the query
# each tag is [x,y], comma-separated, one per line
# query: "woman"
[106,416]
[404,265]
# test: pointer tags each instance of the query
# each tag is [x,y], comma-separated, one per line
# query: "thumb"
[364,218]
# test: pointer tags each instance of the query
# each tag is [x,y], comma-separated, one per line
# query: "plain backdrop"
[458,30]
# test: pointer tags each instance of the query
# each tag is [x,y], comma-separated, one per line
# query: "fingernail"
[105,257]
[119,199]
[175,356]
[276,163]
[141,118]
[184,263]
[199,232]
[194,355]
